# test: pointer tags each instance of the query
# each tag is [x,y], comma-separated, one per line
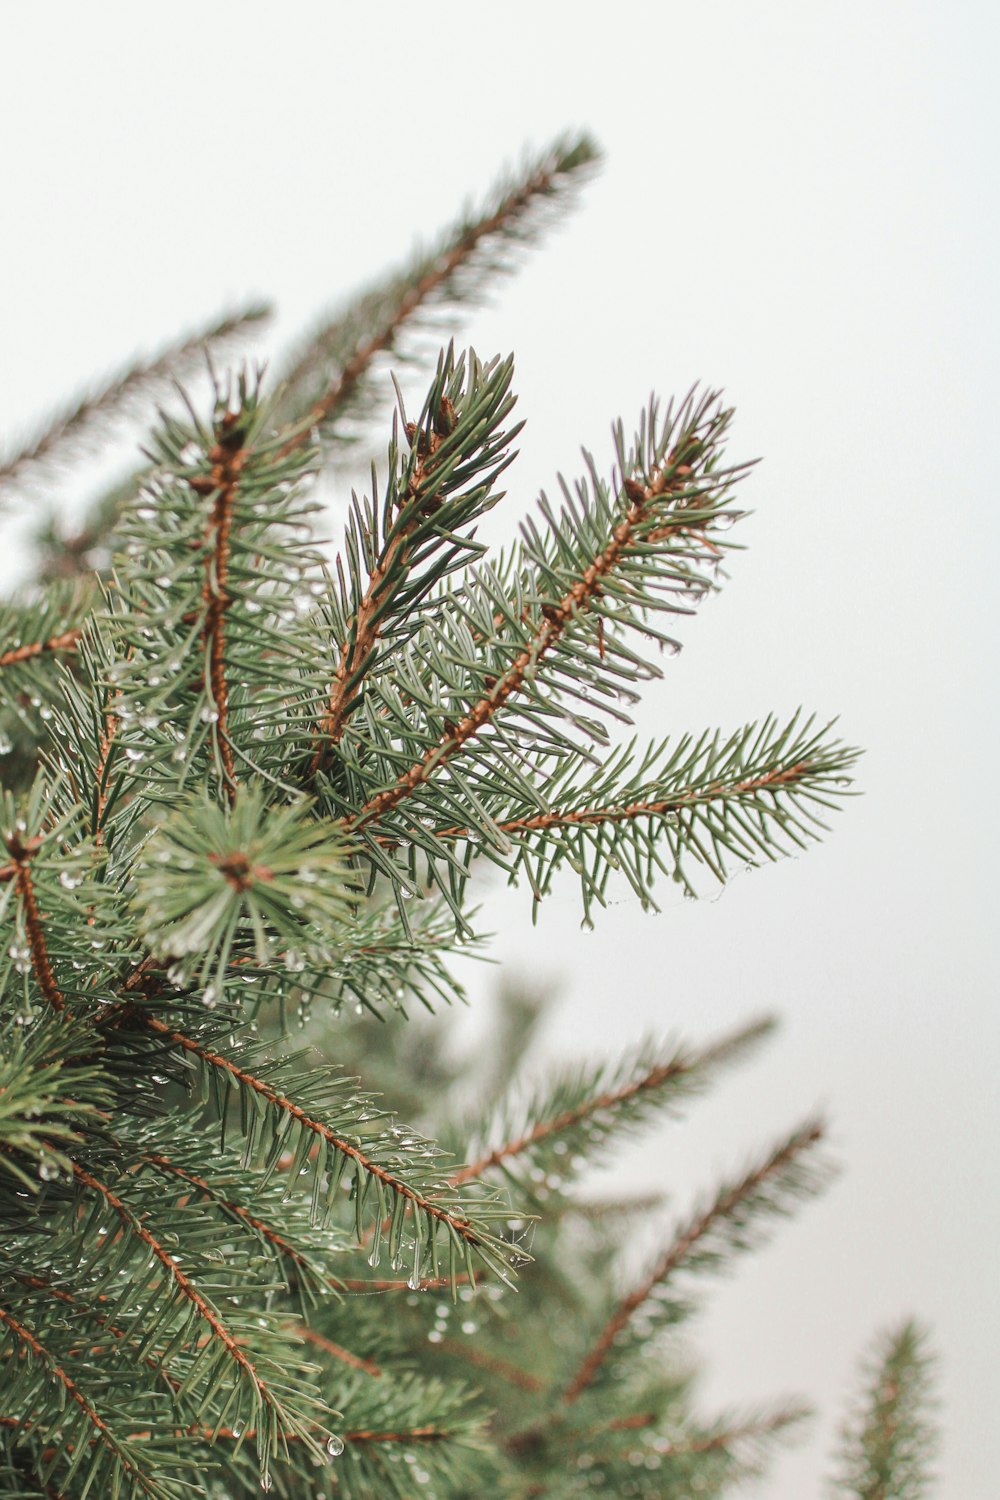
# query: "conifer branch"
[456,1224]
[727,1437]
[685,1244]
[592,817]
[395,308]
[21,851]
[182,1282]
[889,1441]
[267,1231]
[67,640]
[109,399]
[363,632]
[670,478]
[59,1294]
[227,457]
[105,1436]
[681,1068]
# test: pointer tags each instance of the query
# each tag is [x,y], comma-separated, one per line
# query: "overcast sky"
[798,204]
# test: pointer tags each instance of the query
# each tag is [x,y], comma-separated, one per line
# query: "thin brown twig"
[21,851]
[459,1225]
[184,1285]
[492,1363]
[227,457]
[555,618]
[68,640]
[32,1342]
[678,1251]
[340,390]
[337,1351]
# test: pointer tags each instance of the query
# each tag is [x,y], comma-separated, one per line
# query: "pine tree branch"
[68,640]
[888,1444]
[456,1224]
[267,1231]
[109,399]
[93,1417]
[21,851]
[184,1285]
[683,1246]
[397,309]
[337,1351]
[681,1067]
[670,478]
[60,1294]
[592,817]
[364,629]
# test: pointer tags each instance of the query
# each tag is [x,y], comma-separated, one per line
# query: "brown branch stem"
[459,1226]
[32,1342]
[67,641]
[555,618]
[445,267]
[678,1251]
[21,851]
[227,457]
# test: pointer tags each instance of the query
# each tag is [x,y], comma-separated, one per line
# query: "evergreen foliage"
[244,794]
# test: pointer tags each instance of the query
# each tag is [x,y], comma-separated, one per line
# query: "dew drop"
[69,881]
[6,743]
[209,714]
[211,997]
[334,1445]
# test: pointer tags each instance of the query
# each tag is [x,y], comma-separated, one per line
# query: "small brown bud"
[445,418]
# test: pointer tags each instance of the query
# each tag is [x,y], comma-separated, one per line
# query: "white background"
[799,204]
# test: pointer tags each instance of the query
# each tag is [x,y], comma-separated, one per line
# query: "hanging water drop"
[211,997]
[334,1445]
[209,714]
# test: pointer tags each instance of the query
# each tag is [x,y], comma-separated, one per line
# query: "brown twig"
[513,205]
[227,457]
[458,1225]
[67,641]
[337,1351]
[30,1341]
[21,851]
[111,723]
[555,618]
[492,1363]
[680,1249]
